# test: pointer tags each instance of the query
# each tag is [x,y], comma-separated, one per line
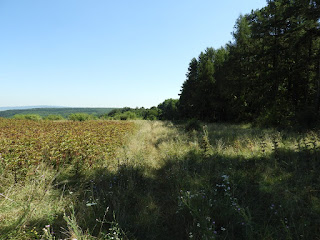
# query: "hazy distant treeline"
[163,111]
[63,112]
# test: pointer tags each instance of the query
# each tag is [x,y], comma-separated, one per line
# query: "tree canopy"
[269,74]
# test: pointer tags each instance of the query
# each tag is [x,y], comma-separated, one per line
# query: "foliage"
[54,117]
[64,112]
[133,114]
[225,182]
[193,124]
[81,117]
[201,93]
[269,74]
[151,114]
[33,117]
[168,109]
[82,114]
[128,115]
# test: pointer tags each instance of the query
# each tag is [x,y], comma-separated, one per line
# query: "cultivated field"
[156,180]
[26,144]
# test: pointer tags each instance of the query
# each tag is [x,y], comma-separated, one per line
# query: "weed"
[226,182]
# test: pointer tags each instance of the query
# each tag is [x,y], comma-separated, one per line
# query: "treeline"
[269,74]
[56,117]
[127,113]
[164,111]
[63,112]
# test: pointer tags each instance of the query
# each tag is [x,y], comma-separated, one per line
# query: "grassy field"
[159,181]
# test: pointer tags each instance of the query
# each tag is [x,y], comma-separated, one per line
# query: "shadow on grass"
[215,197]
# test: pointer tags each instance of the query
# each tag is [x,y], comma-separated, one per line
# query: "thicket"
[81,117]
[34,117]
[166,110]
[54,117]
[127,113]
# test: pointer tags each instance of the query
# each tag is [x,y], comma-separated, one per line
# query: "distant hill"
[65,112]
[27,107]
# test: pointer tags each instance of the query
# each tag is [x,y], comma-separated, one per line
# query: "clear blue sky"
[103,53]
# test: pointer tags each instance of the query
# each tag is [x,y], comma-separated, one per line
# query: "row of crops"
[25,144]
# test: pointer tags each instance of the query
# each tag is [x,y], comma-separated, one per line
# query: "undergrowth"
[217,182]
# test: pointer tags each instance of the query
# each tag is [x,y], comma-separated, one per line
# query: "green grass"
[221,182]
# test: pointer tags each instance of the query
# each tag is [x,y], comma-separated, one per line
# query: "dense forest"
[269,74]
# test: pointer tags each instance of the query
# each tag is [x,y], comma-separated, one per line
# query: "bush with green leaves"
[34,117]
[128,116]
[81,117]
[193,124]
[54,117]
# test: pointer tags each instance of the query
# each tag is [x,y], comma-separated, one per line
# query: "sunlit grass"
[221,182]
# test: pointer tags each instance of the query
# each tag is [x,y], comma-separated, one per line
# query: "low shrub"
[54,117]
[81,117]
[34,117]
[193,124]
